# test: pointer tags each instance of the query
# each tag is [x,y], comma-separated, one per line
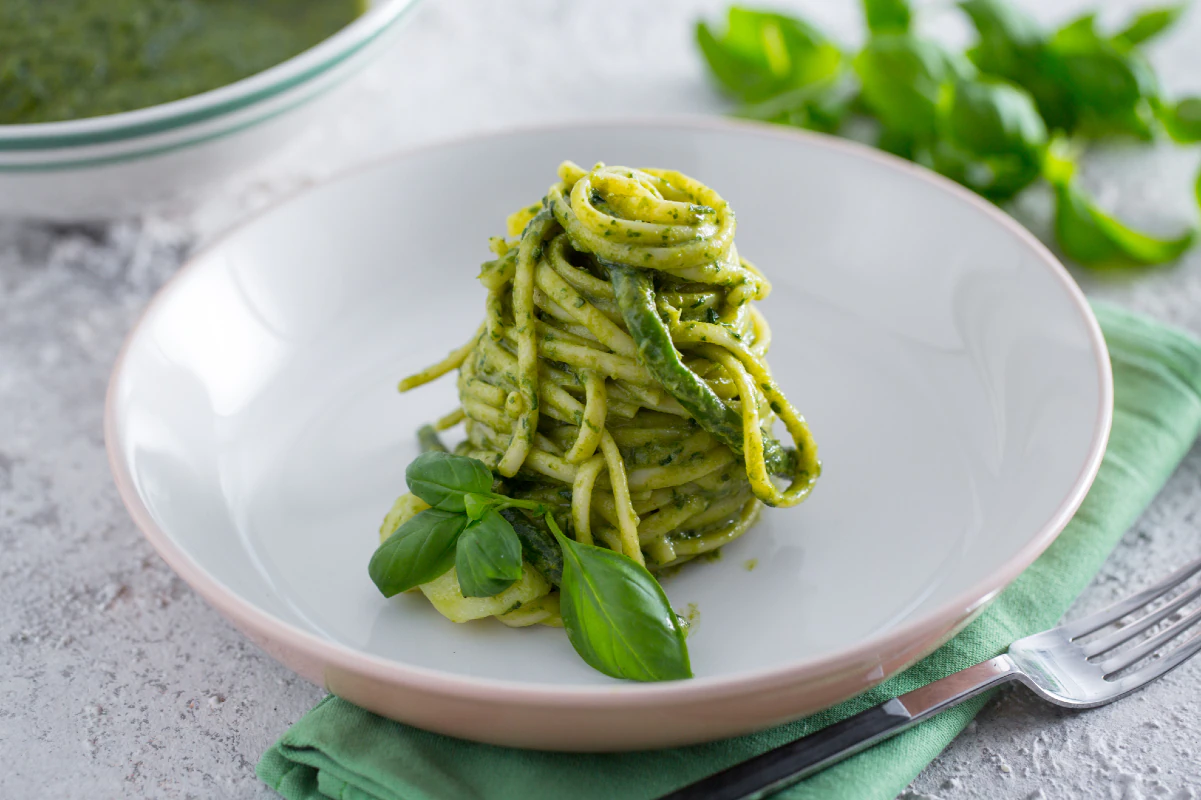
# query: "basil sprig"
[616,614]
[986,118]
[488,559]
[461,530]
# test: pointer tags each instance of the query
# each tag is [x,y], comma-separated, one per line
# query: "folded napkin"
[341,751]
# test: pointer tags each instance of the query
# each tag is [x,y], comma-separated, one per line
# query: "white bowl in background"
[108,166]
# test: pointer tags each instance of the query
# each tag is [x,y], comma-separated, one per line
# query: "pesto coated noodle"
[620,378]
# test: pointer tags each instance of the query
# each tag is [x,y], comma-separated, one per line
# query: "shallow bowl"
[118,164]
[954,376]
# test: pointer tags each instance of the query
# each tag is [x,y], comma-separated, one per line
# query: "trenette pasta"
[620,376]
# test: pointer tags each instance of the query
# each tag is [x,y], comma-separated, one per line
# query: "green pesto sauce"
[68,59]
[689,620]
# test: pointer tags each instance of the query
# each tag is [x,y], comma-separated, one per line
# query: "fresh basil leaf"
[1092,238]
[761,54]
[739,76]
[1082,28]
[617,616]
[1009,39]
[996,177]
[820,107]
[887,16]
[991,138]
[1059,160]
[1182,120]
[1197,188]
[1148,24]
[441,479]
[1099,74]
[903,80]
[488,556]
[1111,88]
[474,505]
[796,52]
[419,551]
[989,116]
[1012,45]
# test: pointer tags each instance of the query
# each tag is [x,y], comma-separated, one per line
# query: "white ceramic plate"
[956,382]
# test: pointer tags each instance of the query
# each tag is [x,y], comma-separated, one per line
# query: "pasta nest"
[620,374]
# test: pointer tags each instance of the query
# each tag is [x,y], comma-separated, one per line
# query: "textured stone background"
[117,681]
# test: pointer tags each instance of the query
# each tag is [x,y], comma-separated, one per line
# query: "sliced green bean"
[537,545]
[635,292]
[428,441]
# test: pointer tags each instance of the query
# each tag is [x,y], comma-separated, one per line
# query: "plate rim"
[949,615]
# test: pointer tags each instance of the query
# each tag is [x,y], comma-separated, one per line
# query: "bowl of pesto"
[107,106]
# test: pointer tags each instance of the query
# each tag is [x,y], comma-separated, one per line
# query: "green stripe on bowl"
[120,158]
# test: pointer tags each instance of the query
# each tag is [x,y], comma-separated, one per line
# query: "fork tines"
[1144,601]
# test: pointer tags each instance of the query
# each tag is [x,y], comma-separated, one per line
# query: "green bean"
[427,439]
[537,545]
[635,292]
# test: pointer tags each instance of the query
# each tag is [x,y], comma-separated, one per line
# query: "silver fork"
[1063,665]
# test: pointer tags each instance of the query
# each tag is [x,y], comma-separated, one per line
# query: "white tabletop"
[117,681]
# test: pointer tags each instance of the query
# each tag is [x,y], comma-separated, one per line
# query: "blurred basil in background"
[1018,107]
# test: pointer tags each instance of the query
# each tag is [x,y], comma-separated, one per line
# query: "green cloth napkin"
[341,751]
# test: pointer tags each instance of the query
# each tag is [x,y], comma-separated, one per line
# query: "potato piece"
[543,611]
[404,509]
[444,593]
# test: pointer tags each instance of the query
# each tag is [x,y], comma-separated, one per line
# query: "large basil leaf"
[992,138]
[903,79]
[990,116]
[740,76]
[887,16]
[1111,88]
[421,549]
[1182,120]
[1013,46]
[1089,236]
[761,54]
[1009,38]
[997,177]
[1197,188]
[488,556]
[442,479]
[818,107]
[617,617]
[1149,24]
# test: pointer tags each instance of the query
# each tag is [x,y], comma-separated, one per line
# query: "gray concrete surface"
[117,681]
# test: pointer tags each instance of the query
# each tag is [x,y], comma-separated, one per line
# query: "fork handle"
[785,765]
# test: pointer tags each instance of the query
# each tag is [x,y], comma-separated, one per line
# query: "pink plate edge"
[841,675]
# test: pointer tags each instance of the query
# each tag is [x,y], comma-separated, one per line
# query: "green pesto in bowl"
[71,59]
